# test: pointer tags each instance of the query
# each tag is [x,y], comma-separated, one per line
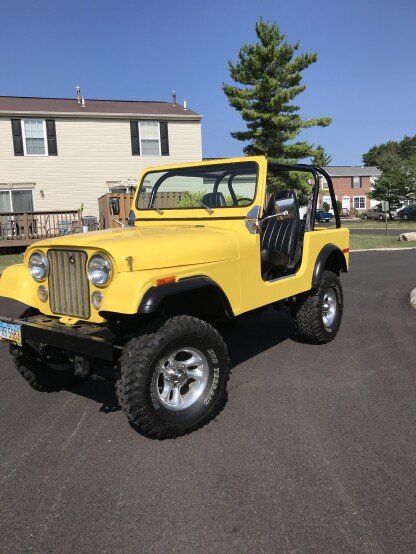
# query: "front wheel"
[173,381]
[319,312]
[42,376]
[47,374]
[365,216]
[405,217]
[380,217]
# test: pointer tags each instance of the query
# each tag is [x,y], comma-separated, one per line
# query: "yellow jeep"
[204,242]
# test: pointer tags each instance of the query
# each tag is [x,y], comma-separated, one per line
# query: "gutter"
[100,115]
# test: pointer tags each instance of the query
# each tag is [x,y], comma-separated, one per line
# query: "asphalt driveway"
[314,452]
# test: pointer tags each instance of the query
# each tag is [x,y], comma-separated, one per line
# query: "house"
[64,153]
[352,185]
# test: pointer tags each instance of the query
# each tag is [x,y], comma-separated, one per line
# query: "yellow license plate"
[11,332]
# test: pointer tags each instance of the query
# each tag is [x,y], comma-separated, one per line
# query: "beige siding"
[90,153]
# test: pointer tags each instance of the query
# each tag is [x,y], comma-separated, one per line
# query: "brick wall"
[345,193]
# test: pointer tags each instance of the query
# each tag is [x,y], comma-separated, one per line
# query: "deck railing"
[23,228]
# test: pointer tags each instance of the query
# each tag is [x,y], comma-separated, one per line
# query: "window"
[230,185]
[34,137]
[359,202]
[327,200]
[324,183]
[16,201]
[356,182]
[149,138]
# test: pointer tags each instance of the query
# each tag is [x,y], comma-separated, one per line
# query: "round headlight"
[38,266]
[99,270]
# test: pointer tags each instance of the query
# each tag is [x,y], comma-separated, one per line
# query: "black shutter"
[135,138]
[17,137]
[164,138]
[51,134]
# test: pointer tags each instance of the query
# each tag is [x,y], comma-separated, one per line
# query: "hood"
[154,247]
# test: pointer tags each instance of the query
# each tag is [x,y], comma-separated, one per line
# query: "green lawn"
[9,259]
[361,242]
[373,224]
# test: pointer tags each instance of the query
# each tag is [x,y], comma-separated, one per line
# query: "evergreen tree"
[321,158]
[270,73]
[271,76]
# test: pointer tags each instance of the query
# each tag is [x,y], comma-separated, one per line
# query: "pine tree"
[321,158]
[271,76]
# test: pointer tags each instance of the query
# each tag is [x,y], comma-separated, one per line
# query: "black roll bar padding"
[316,171]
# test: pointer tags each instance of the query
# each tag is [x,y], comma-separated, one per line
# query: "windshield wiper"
[209,210]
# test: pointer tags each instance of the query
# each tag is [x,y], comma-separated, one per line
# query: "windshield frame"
[208,167]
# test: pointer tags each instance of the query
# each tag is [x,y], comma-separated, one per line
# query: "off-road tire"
[39,376]
[138,366]
[309,322]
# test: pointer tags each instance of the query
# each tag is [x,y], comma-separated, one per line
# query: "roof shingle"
[69,106]
[352,171]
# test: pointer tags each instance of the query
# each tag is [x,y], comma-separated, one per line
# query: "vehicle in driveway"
[408,212]
[373,213]
[323,215]
[145,300]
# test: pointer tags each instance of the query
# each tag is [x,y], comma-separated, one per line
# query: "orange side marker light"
[165,280]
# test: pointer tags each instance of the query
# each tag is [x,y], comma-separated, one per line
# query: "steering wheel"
[247,200]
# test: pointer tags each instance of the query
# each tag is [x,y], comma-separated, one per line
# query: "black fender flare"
[155,295]
[321,260]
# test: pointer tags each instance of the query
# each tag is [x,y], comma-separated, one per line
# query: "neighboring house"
[60,153]
[352,186]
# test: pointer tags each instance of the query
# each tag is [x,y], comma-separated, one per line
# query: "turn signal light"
[43,293]
[165,280]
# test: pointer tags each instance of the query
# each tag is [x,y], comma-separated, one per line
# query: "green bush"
[191,200]
[194,199]
[339,205]
[325,206]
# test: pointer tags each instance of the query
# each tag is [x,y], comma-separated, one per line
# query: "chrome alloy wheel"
[182,378]
[329,308]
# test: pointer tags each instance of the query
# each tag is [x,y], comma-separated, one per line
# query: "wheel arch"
[330,258]
[193,294]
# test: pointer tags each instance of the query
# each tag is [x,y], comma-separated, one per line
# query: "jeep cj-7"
[205,242]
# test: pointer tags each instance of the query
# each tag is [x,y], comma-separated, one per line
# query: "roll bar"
[316,171]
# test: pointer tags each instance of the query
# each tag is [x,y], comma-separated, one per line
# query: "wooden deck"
[22,229]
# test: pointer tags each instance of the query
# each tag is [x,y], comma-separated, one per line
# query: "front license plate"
[11,332]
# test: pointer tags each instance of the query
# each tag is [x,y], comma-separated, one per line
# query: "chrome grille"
[68,283]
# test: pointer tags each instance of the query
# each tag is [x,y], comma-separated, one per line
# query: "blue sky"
[365,77]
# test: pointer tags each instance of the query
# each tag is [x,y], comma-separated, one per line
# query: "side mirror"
[252,220]
[132,219]
[114,205]
[285,208]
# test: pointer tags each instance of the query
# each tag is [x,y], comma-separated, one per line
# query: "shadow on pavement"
[248,337]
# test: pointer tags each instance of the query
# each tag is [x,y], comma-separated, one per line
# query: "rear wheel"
[319,312]
[173,381]
[380,217]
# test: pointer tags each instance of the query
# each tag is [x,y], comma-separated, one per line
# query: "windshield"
[204,187]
